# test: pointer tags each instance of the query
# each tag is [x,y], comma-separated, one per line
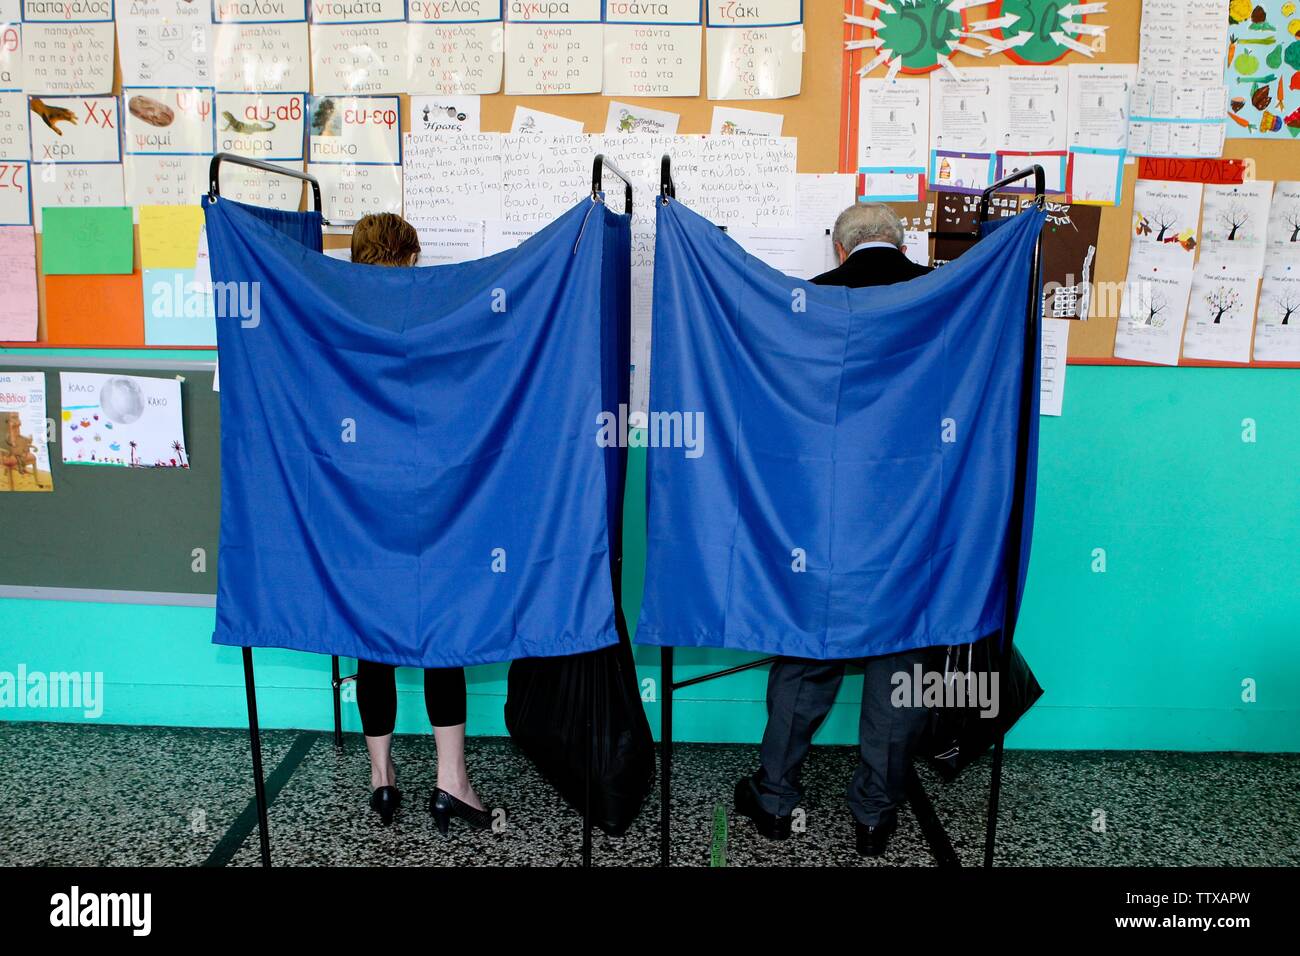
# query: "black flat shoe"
[771,825]
[385,801]
[444,806]
[873,840]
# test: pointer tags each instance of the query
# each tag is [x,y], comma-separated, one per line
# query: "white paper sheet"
[450,177]
[1035,102]
[1184,41]
[446,113]
[652,49]
[442,243]
[1166,224]
[1152,315]
[75,184]
[730,121]
[1055,352]
[354,149]
[453,58]
[798,252]
[1220,315]
[361,56]
[261,57]
[165,43]
[1284,227]
[1099,104]
[633,120]
[553,54]
[821,197]
[1277,326]
[747,60]
[965,112]
[1234,229]
[529,120]
[894,122]
[68,57]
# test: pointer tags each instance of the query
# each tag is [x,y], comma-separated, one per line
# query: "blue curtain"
[410,465]
[853,488]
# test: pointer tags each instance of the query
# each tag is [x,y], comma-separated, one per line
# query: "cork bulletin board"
[813,117]
[1093,341]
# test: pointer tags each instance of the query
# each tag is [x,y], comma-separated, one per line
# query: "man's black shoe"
[873,840]
[770,825]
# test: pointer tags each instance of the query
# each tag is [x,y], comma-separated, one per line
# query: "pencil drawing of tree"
[1156,303]
[1233,218]
[1292,218]
[1286,304]
[1222,300]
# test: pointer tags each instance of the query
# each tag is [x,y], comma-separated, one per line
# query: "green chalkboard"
[119,534]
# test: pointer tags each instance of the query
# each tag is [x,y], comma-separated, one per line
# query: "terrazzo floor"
[131,796]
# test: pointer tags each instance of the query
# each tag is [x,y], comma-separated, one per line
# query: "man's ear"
[841,253]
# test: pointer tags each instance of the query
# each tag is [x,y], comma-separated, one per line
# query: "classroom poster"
[554,48]
[628,119]
[1277,326]
[1220,315]
[355,151]
[124,421]
[451,177]
[24,453]
[1069,256]
[1166,224]
[454,57]
[18,310]
[165,43]
[15,141]
[1283,247]
[11,49]
[76,152]
[169,136]
[67,46]
[1263,68]
[359,48]
[1152,315]
[755,49]
[1174,119]
[652,49]
[452,113]
[266,126]
[261,48]
[1234,227]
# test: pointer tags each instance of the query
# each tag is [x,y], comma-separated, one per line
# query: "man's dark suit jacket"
[876,266]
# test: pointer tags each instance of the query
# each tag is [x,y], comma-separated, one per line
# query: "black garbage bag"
[957,736]
[548,703]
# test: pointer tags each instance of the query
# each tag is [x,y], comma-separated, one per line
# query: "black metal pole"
[1015,531]
[336,684]
[255,742]
[591,742]
[665,753]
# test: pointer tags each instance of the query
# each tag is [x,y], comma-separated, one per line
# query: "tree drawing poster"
[1166,224]
[1277,324]
[125,421]
[1152,314]
[1263,69]
[1220,315]
[1234,227]
[1284,227]
[24,453]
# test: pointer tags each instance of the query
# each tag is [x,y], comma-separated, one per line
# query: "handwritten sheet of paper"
[130,421]
[169,236]
[452,176]
[18,315]
[94,240]
[1056,343]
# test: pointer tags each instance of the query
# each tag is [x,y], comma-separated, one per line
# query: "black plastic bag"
[548,703]
[957,736]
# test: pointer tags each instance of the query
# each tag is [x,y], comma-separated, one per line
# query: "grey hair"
[868,222]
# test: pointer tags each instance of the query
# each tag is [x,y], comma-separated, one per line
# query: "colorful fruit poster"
[1263,72]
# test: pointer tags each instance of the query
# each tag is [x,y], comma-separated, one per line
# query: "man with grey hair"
[869,241]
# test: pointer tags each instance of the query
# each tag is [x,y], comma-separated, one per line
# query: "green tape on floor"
[718,852]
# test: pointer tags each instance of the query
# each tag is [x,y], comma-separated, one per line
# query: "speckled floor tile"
[72,794]
[84,795]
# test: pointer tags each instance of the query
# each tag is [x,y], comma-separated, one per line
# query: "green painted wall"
[1201,532]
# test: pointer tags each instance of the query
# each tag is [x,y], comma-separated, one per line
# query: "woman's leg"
[444,700]
[377,703]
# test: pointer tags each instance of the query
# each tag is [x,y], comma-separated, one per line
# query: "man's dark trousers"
[799,696]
